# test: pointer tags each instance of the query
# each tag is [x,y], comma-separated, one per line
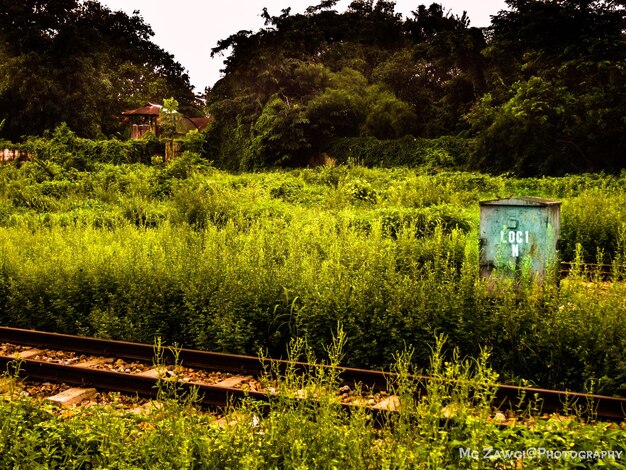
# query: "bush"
[64,148]
[238,262]
[594,222]
[444,152]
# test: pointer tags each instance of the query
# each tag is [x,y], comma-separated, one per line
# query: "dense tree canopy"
[78,62]
[308,78]
[540,91]
[557,94]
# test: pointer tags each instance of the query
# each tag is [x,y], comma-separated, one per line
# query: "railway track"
[605,272]
[222,379]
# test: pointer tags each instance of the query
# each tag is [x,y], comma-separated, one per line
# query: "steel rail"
[209,395]
[238,364]
[606,272]
[506,396]
[589,405]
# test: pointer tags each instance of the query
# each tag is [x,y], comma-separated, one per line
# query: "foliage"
[234,262]
[168,119]
[451,425]
[305,79]
[540,91]
[63,147]
[80,63]
[444,152]
[556,97]
[277,136]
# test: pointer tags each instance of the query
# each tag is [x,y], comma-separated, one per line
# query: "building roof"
[148,110]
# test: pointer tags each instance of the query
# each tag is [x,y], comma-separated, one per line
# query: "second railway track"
[221,379]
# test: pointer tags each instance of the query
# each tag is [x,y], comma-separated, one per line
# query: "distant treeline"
[540,91]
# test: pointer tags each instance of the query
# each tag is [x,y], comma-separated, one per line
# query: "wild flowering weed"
[216,261]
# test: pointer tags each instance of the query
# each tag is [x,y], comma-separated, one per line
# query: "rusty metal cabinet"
[519,235]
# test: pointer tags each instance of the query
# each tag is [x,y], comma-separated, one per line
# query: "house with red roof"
[147,118]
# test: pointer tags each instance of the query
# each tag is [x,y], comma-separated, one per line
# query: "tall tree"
[540,91]
[361,72]
[557,97]
[79,62]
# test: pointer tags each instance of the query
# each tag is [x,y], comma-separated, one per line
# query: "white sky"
[188,29]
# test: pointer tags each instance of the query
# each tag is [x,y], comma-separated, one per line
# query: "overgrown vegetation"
[452,426]
[64,148]
[538,92]
[78,62]
[236,262]
[91,242]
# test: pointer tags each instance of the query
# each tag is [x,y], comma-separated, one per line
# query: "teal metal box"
[519,234]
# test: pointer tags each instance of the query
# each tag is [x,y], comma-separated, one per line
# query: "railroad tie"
[94,362]
[28,353]
[154,373]
[232,381]
[72,396]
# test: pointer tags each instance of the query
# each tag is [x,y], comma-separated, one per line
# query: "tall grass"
[237,262]
[432,431]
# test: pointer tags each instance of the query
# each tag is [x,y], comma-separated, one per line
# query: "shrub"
[63,147]
[443,152]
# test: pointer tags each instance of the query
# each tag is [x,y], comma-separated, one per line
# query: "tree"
[525,135]
[278,137]
[389,117]
[540,91]
[80,63]
[557,95]
[325,74]
[169,118]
